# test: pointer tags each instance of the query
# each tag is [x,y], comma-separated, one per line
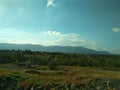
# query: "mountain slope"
[65,49]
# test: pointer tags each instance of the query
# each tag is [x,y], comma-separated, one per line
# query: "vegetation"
[31,70]
[57,59]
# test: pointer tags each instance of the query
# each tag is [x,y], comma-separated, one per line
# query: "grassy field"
[59,75]
[28,70]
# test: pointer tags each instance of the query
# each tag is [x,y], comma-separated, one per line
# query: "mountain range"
[64,49]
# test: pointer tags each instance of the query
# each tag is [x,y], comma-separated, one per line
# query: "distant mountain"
[65,49]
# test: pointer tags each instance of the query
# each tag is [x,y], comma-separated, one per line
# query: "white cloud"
[52,33]
[21,41]
[50,3]
[59,34]
[64,39]
[11,41]
[12,35]
[116,29]
[94,45]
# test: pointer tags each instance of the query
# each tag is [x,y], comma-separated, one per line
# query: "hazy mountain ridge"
[36,47]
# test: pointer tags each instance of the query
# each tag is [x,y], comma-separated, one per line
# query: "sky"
[93,24]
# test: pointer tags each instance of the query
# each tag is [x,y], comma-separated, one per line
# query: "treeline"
[55,59]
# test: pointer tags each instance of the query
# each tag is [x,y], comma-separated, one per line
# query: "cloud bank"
[46,38]
[116,29]
[64,39]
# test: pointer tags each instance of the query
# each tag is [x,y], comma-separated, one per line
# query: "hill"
[64,49]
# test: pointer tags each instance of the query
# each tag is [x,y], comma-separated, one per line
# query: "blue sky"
[93,24]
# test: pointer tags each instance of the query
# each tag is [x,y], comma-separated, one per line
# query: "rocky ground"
[16,82]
